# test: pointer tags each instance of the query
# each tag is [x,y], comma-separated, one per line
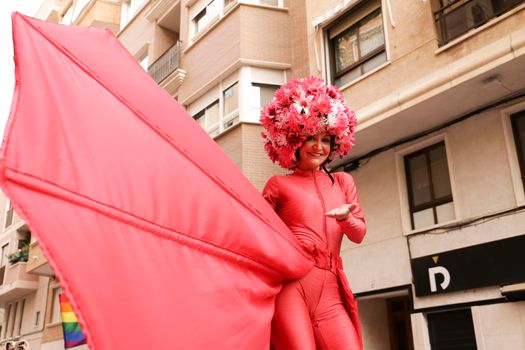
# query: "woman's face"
[314,151]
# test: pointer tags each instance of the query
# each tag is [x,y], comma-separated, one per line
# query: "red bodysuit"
[317,311]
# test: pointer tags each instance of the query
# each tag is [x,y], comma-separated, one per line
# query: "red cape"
[155,235]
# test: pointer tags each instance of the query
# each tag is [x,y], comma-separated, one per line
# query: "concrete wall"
[374,322]
[482,184]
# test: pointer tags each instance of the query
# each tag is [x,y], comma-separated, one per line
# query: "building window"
[451,330]
[456,17]
[55,306]
[209,118]
[357,43]
[429,189]
[231,100]
[206,15]
[9,215]
[129,10]
[266,92]
[518,127]
[3,258]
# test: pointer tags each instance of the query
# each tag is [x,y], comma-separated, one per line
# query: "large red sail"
[155,235]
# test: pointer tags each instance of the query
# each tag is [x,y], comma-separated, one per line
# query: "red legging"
[310,315]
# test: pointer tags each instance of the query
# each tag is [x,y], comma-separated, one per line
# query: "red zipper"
[324,210]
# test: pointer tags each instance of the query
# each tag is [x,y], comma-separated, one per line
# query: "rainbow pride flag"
[73,335]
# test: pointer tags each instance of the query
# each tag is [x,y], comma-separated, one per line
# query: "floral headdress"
[302,108]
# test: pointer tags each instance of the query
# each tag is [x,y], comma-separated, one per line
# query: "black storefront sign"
[499,262]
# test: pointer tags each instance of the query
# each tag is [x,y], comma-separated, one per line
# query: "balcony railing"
[165,64]
[460,16]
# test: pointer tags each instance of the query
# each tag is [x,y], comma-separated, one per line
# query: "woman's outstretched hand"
[342,213]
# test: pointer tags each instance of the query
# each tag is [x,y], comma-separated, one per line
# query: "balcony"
[37,263]
[460,16]
[49,11]
[100,14]
[17,282]
[165,70]
[166,13]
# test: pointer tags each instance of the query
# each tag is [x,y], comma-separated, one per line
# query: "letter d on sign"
[432,272]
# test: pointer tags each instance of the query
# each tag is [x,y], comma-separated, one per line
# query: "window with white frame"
[129,10]
[356,43]
[230,97]
[266,92]
[209,118]
[221,114]
[429,189]
[203,17]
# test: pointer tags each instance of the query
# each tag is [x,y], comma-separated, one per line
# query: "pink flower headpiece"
[302,108]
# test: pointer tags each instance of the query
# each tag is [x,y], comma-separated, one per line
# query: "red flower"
[302,108]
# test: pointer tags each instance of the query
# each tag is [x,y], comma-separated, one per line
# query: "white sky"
[7,67]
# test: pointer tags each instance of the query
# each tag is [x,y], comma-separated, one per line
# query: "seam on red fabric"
[159,132]
[53,190]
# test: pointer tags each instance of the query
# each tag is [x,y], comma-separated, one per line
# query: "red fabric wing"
[154,233]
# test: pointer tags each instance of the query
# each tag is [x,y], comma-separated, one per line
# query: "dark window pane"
[458,17]
[439,169]
[359,48]
[452,330]
[518,124]
[419,179]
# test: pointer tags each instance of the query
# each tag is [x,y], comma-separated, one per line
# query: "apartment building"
[438,87]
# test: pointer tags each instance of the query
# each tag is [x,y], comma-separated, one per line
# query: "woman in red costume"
[306,125]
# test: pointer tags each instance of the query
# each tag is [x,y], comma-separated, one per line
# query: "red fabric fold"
[155,235]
